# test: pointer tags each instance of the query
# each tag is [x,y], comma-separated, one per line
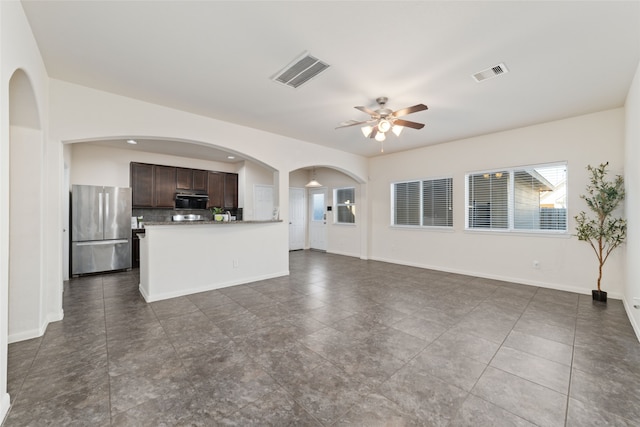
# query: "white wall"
[565,262]
[99,165]
[18,50]
[342,239]
[632,204]
[114,116]
[25,269]
[299,178]
[252,174]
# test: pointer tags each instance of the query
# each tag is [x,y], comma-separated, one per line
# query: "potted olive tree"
[603,231]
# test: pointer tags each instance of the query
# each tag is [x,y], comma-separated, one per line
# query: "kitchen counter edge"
[161,224]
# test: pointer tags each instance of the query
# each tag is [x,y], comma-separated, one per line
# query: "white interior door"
[296,218]
[317,219]
[262,202]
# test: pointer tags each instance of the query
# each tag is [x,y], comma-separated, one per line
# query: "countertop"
[154,224]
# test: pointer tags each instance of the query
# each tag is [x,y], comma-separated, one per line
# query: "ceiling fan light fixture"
[384,125]
[383,120]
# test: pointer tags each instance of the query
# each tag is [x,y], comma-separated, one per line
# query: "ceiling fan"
[384,119]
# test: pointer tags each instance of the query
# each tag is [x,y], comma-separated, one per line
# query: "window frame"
[511,203]
[421,224]
[338,205]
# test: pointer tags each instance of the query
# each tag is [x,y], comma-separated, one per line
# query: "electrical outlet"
[536,264]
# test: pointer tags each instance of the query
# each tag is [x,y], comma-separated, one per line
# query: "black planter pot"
[599,295]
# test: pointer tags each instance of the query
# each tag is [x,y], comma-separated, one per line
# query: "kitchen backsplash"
[164,215]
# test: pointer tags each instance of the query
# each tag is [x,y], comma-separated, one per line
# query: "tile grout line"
[493,357]
[573,352]
[106,345]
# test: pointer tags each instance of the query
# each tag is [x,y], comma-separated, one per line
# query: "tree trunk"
[600,249]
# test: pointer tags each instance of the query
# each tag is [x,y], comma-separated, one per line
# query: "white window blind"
[488,200]
[426,203]
[345,205]
[437,208]
[531,198]
[407,203]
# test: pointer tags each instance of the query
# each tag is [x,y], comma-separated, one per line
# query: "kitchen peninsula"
[185,258]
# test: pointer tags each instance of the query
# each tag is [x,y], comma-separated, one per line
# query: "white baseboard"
[5,404]
[556,286]
[55,317]
[629,309]
[35,333]
[349,254]
[26,335]
[204,288]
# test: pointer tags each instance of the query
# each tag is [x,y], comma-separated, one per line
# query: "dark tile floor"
[339,342]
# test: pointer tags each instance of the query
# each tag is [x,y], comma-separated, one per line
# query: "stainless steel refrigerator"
[100,229]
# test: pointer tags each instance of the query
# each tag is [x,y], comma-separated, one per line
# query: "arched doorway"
[322,223]
[25,213]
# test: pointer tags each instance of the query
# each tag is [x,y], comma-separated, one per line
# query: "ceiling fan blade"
[373,133]
[408,124]
[409,110]
[349,123]
[369,111]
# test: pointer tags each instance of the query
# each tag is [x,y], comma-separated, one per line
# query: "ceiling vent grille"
[300,71]
[491,72]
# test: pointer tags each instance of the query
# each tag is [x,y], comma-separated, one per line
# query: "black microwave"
[191,201]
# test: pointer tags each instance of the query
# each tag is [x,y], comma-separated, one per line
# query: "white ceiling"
[215,58]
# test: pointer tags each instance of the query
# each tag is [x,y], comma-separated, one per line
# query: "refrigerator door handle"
[100,215]
[106,207]
[102,242]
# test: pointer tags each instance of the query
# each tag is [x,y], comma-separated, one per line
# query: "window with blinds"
[531,198]
[426,203]
[345,201]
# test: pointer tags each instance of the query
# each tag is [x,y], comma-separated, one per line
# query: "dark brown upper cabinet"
[216,189]
[141,181]
[191,180]
[155,186]
[200,178]
[223,190]
[231,191]
[164,186]
[184,179]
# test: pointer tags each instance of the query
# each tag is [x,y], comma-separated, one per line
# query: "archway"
[330,216]
[25,213]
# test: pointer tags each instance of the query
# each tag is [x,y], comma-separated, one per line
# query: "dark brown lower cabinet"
[135,247]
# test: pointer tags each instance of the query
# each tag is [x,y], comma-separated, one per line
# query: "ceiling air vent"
[300,71]
[490,72]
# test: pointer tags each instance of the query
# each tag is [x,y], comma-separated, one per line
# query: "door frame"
[304,216]
[311,224]
[259,215]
